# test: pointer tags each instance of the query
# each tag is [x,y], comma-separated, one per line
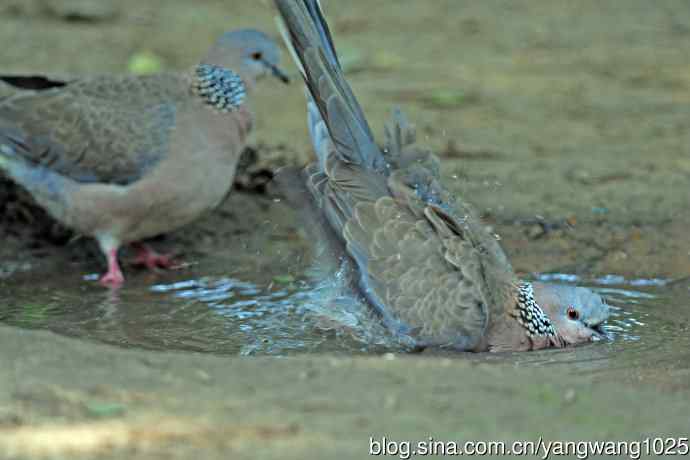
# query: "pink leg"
[151,259]
[114,277]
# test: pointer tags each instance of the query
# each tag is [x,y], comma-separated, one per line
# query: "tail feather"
[309,39]
[316,12]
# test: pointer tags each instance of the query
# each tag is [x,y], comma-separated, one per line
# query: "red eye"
[573,314]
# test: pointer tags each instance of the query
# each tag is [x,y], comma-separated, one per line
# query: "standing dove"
[423,259]
[122,158]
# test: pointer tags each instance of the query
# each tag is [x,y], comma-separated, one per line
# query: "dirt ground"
[567,125]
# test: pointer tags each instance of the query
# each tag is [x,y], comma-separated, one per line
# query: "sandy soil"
[567,125]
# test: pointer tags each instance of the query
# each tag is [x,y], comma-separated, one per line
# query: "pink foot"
[114,277]
[151,259]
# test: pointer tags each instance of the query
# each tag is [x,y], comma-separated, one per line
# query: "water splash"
[316,312]
[602,280]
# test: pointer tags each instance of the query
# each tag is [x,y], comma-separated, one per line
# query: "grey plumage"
[127,157]
[425,262]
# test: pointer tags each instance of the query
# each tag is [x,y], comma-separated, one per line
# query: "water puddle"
[649,329]
[264,313]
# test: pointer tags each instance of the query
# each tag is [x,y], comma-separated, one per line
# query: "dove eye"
[573,314]
[257,56]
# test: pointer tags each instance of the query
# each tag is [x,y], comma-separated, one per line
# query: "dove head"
[250,53]
[576,313]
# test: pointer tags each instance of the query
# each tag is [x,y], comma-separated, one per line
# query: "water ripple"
[249,314]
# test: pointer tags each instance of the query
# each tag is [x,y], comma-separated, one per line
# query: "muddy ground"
[566,124]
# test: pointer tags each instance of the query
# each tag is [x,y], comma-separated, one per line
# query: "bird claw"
[149,258]
[153,261]
[112,279]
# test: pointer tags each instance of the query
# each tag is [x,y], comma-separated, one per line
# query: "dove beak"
[598,332]
[276,72]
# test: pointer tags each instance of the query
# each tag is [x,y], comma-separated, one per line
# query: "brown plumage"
[424,260]
[122,158]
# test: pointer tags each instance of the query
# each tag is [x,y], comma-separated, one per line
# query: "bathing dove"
[423,259]
[122,158]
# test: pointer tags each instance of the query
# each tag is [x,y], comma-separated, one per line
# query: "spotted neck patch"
[530,314]
[221,88]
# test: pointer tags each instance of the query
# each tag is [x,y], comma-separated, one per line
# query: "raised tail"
[308,38]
